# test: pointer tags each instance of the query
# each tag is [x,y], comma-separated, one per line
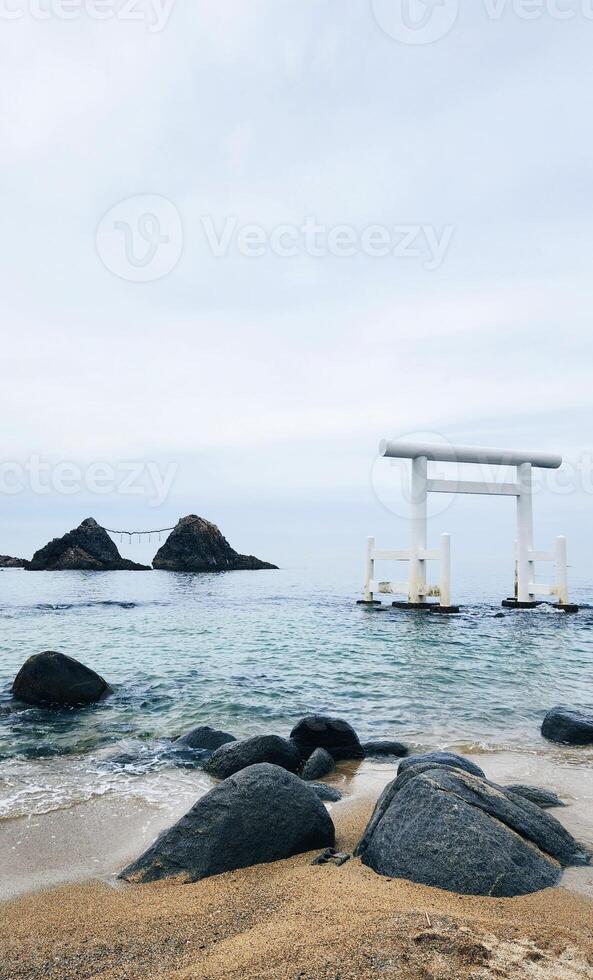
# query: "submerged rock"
[543,798]
[319,764]
[196,545]
[7,562]
[51,678]
[234,756]
[328,794]
[261,814]
[385,746]
[333,734]
[432,759]
[204,737]
[87,548]
[452,830]
[568,726]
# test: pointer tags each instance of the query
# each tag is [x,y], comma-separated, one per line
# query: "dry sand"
[298,921]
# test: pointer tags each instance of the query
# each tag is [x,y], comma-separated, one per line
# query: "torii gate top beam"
[468,454]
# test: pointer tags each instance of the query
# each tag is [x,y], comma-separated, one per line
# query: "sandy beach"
[294,920]
[289,919]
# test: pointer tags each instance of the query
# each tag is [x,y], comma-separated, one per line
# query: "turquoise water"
[252,652]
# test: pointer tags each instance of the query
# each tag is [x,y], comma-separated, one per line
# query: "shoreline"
[93,839]
[294,920]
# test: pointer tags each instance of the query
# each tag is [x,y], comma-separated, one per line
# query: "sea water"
[252,652]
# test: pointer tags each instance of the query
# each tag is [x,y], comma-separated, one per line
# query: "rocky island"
[196,545]
[87,548]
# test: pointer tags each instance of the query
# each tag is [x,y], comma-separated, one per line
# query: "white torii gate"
[416,588]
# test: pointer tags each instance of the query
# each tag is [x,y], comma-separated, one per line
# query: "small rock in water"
[319,764]
[385,746]
[234,756]
[449,759]
[333,734]
[568,726]
[51,678]
[543,798]
[262,814]
[452,830]
[329,794]
[204,737]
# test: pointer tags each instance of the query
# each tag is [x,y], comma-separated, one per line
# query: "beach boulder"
[51,678]
[432,759]
[453,830]
[318,765]
[234,756]
[384,746]
[196,545]
[87,548]
[259,815]
[7,562]
[568,726]
[204,738]
[322,732]
[543,798]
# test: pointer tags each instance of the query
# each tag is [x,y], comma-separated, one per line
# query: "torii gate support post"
[525,566]
[419,533]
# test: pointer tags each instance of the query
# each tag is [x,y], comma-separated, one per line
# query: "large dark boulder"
[234,756]
[54,679]
[318,765]
[7,562]
[452,830]
[385,746]
[196,545]
[543,798]
[432,759]
[333,734]
[261,814]
[87,548]
[568,726]
[205,738]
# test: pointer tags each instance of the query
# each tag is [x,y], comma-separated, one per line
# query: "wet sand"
[289,919]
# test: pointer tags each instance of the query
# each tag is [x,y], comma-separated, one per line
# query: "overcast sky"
[265,362]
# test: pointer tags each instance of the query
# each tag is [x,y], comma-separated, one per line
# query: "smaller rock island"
[196,545]
[87,548]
